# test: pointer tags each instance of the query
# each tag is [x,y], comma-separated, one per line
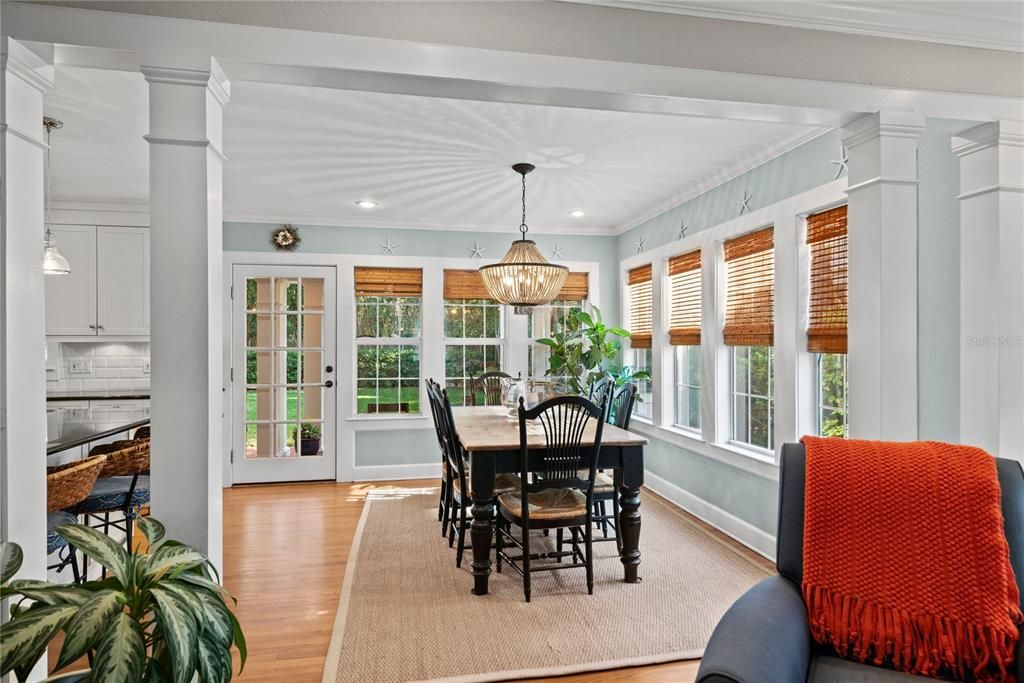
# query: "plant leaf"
[51,593]
[121,652]
[547,342]
[10,561]
[239,637]
[152,529]
[584,318]
[180,631]
[214,618]
[214,660]
[620,332]
[86,628]
[98,546]
[172,557]
[186,595]
[23,639]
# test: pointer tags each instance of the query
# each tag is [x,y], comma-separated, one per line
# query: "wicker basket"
[142,433]
[68,485]
[124,458]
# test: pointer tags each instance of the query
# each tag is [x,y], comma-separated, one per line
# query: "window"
[388,324]
[641,325]
[546,321]
[827,316]
[684,334]
[474,335]
[749,330]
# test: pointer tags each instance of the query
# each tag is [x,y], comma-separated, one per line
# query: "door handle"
[329,384]
[329,368]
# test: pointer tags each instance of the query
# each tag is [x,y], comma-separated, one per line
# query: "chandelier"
[523,278]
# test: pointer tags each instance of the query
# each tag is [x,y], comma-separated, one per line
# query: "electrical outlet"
[145,367]
[81,366]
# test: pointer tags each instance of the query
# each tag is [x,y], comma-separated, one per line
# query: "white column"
[882,193]
[992,286]
[186,214]
[24,77]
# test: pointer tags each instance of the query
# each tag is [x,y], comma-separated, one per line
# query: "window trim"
[676,386]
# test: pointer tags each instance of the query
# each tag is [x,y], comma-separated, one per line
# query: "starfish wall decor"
[683,227]
[640,245]
[389,246]
[477,251]
[745,202]
[841,163]
[557,251]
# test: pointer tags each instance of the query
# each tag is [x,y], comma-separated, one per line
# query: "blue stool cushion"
[111,493]
[53,520]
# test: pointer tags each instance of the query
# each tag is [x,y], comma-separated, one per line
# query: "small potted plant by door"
[308,438]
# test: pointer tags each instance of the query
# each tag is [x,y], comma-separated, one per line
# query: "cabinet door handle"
[92,327]
[100,327]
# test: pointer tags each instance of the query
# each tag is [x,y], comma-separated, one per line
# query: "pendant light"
[524,278]
[54,262]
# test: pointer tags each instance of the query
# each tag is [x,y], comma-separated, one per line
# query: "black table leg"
[629,512]
[481,531]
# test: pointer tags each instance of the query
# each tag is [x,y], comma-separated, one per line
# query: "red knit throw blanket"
[905,560]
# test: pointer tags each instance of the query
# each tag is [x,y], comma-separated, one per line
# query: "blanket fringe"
[921,644]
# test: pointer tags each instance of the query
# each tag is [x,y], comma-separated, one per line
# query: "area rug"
[407,614]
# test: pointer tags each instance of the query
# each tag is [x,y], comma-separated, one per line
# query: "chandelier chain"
[523,228]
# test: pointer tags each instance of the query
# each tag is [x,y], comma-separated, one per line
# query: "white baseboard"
[397,472]
[746,533]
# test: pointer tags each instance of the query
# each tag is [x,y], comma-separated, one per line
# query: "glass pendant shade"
[523,278]
[54,262]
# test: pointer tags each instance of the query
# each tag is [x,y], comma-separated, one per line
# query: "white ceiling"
[995,24]
[306,155]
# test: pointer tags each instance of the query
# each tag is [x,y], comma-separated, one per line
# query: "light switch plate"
[81,366]
[145,367]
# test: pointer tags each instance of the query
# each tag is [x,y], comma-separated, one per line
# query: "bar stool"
[66,487]
[123,486]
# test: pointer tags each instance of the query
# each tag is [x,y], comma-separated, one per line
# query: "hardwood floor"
[285,551]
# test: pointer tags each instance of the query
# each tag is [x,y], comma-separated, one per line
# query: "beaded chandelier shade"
[524,278]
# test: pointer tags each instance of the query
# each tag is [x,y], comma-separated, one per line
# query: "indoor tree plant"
[160,615]
[583,351]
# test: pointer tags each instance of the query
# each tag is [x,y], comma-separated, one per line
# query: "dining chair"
[606,488]
[435,414]
[489,384]
[66,487]
[459,490]
[559,497]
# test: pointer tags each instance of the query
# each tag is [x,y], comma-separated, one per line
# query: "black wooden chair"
[606,488]
[559,498]
[459,493]
[489,384]
[435,413]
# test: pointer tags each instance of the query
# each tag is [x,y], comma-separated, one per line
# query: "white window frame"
[819,405]
[749,396]
[794,376]
[501,341]
[681,403]
[386,341]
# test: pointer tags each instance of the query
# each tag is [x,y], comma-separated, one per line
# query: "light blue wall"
[396,447]
[938,277]
[320,239]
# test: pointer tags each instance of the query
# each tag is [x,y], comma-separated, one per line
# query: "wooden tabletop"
[487,428]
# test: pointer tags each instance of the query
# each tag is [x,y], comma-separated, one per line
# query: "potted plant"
[160,615]
[584,349]
[309,443]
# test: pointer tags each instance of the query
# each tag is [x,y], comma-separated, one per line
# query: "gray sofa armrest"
[763,637]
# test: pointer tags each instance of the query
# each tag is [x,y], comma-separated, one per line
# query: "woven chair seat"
[111,493]
[503,483]
[546,505]
[53,520]
[604,484]
[69,484]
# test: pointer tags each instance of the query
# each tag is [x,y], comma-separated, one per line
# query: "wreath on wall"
[286,238]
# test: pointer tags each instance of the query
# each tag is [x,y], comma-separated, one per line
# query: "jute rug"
[407,614]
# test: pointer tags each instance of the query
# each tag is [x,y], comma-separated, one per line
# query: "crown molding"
[745,165]
[981,26]
[20,61]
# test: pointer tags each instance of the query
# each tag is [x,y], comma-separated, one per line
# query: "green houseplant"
[309,443]
[160,616]
[584,349]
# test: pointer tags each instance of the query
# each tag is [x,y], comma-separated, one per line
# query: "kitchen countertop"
[101,395]
[67,428]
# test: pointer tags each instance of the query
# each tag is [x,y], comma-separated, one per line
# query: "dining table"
[490,438]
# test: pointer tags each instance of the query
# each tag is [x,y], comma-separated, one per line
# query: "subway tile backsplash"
[97,366]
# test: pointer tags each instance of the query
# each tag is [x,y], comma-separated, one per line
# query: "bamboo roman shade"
[464,284]
[750,304]
[388,281]
[576,288]
[684,283]
[827,312]
[641,307]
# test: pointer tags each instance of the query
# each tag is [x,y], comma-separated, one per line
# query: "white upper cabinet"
[107,292]
[71,299]
[122,281]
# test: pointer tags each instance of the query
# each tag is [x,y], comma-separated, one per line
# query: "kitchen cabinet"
[107,292]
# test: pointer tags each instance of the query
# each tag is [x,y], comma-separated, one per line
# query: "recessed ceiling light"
[367,204]
[578,213]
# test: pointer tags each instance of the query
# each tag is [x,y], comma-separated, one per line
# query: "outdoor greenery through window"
[546,321]
[387,354]
[833,418]
[688,387]
[753,394]
[644,392]
[473,345]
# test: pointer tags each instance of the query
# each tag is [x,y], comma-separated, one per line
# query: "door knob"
[328,384]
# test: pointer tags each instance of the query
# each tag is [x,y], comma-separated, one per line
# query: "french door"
[284,373]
